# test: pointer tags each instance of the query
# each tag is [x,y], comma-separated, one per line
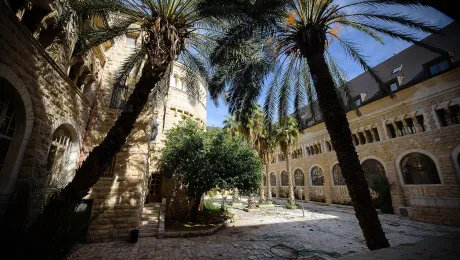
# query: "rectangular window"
[410,125]
[369,136]
[394,86]
[119,97]
[439,67]
[375,131]
[358,101]
[391,131]
[401,129]
[455,114]
[109,171]
[362,139]
[355,139]
[421,122]
[441,113]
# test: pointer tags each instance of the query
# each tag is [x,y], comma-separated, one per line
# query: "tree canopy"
[205,160]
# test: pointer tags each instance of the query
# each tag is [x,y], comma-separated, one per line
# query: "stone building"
[412,139]
[56,106]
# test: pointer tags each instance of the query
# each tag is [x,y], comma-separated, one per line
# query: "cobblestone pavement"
[326,232]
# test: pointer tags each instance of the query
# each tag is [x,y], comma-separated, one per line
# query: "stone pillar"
[327,184]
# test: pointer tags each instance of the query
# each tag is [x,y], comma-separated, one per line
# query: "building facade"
[413,139]
[56,106]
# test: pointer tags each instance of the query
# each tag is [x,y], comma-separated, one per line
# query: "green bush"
[381,186]
[209,206]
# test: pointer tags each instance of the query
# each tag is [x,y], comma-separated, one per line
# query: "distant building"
[413,139]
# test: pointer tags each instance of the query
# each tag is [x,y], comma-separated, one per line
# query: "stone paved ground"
[326,232]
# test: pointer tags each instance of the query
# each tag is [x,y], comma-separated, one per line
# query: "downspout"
[90,118]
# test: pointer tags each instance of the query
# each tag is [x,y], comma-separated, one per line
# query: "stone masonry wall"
[437,142]
[50,99]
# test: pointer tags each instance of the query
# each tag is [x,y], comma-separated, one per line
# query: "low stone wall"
[436,215]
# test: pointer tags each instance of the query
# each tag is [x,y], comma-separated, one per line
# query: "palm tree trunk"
[262,191]
[267,174]
[291,199]
[195,208]
[338,128]
[45,233]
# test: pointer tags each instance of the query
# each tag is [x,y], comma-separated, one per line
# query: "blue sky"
[372,50]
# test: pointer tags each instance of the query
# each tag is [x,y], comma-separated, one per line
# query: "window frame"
[400,161]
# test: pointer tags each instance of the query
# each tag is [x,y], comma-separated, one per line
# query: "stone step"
[148,218]
[148,234]
[152,205]
[150,211]
[147,222]
[148,226]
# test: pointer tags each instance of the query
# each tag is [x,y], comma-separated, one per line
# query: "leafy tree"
[169,30]
[205,160]
[289,40]
[287,135]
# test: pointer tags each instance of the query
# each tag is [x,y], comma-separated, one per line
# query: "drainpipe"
[90,118]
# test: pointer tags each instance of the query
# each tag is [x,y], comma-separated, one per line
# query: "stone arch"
[273,179]
[63,153]
[25,121]
[456,162]
[328,146]
[313,167]
[429,154]
[375,158]
[284,178]
[372,167]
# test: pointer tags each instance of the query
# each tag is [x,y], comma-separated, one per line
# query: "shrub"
[381,186]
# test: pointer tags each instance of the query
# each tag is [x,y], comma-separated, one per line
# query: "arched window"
[317,176]
[337,175]
[284,178]
[265,180]
[299,178]
[272,179]
[62,157]
[372,168]
[7,123]
[418,168]
[307,150]
[328,146]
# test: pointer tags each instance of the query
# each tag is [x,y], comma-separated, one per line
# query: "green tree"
[266,147]
[169,30]
[289,39]
[231,126]
[205,160]
[287,136]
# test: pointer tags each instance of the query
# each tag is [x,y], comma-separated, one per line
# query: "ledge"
[197,233]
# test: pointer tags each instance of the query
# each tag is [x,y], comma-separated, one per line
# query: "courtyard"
[326,232]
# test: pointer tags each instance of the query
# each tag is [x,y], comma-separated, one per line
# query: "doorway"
[155,188]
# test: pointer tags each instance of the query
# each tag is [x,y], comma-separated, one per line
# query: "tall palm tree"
[444,6]
[169,30]
[267,145]
[289,40]
[231,126]
[287,136]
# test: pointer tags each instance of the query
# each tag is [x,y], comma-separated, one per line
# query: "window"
[454,114]
[7,123]
[319,148]
[375,131]
[109,171]
[265,180]
[439,67]
[328,146]
[299,178]
[394,86]
[420,121]
[130,40]
[119,97]
[362,139]
[400,127]
[307,150]
[284,178]
[418,168]
[410,125]
[370,138]
[59,157]
[397,69]
[371,168]
[355,139]
[337,176]
[317,176]
[272,179]
[358,101]
[391,130]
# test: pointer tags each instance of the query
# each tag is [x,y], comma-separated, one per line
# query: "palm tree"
[231,126]
[267,145]
[444,6]
[169,30]
[288,40]
[287,135]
